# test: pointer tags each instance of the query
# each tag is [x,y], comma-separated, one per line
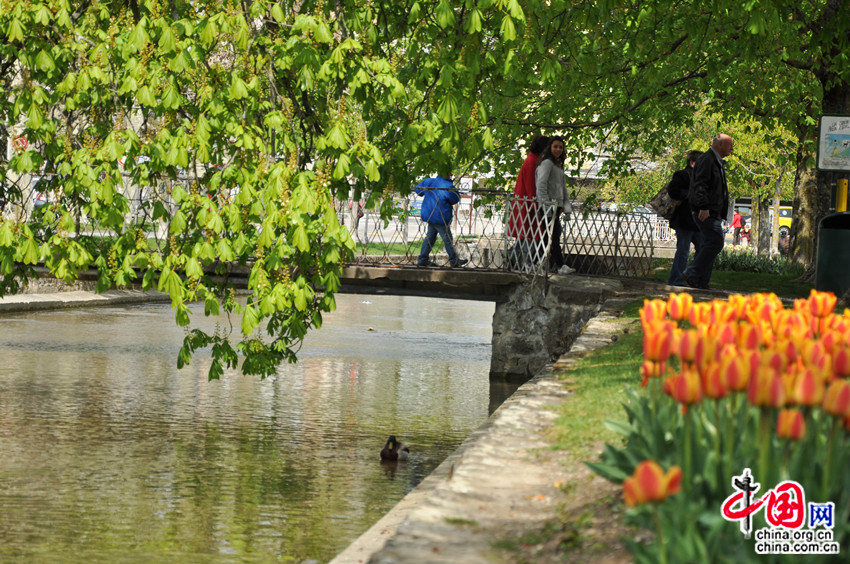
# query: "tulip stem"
[662,550]
[827,466]
[730,431]
[687,458]
[764,443]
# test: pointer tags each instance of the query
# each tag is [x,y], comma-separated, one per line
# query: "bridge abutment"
[539,319]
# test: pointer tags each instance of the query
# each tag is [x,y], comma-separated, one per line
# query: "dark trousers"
[699,273]
[736,236]
[556,255]
[684,238]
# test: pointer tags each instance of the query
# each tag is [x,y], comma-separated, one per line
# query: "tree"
[181,138]
[621,76]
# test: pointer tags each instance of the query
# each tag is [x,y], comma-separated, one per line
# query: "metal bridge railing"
[499,231]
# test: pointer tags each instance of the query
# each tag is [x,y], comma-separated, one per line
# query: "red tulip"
[650,484]
[790,425]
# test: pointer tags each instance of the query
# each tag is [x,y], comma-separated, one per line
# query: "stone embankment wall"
[540,320]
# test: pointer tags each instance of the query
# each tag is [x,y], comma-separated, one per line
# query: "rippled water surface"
[108,453]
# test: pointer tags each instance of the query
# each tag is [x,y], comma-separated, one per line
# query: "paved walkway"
[77,298]
[502,483]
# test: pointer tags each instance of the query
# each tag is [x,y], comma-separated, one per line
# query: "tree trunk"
[762,227]
[813,188]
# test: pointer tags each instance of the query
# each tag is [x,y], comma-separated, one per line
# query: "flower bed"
[736,394]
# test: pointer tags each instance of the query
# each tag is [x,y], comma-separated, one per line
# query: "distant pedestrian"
[736,226]
[709,198]
[687,232]
[439,196]
[554,199]
[524,222]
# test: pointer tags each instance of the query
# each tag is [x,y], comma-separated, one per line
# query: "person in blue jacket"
[439,197]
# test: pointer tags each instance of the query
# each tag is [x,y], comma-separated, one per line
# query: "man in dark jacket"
[440,195]
[682,221]
[709,198]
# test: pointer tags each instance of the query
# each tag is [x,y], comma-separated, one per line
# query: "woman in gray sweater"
[554,200]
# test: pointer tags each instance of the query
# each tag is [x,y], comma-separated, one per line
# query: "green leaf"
[300,239]
[238,90]
[445,14]
[145,96]
[44,61]
[322,33]
[249,320]
[193,268]
[167,41]
[178,223]
[15,31]
[139,37]
[508,30]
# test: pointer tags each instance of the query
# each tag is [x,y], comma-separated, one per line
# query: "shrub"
[739,259]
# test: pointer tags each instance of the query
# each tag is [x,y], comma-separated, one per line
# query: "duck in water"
[394,450]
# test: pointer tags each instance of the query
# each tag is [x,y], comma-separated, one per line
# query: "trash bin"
[833,260]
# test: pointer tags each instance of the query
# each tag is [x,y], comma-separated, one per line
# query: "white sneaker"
[566,270]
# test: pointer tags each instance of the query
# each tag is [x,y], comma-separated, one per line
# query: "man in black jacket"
[709,198]
[682,221]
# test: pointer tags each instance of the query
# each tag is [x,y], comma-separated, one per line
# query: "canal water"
[108,453]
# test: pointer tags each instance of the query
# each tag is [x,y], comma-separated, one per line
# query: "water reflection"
[108,453]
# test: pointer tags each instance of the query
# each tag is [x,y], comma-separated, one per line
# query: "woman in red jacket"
[524,223]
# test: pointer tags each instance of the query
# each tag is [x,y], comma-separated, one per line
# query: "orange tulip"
[658,340]
[790,425]
[766,388]
[749,336]
[650,484]
[725,333]
[652,311]
[788,349]
[686,348]
[650,369]
[721,312]
[684,387]
[829,339]
[821,304]
[700,315]
[836,400]
[713,384]
[774,359]
[734,369]
[808,388]
[841,361]
[679,306]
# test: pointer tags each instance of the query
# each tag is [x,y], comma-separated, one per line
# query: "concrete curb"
[78,298]
[500,483]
